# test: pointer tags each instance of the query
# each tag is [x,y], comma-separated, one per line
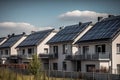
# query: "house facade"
[35,43]
[62,44]
[8,48]
[99,48]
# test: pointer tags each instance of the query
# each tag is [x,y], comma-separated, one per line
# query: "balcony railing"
[4,56]
[48,56]
[95,56]
[25,56]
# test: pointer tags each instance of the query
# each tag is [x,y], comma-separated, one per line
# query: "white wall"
[115,56]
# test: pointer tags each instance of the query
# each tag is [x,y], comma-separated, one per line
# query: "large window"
[64,66]
[55,51]
[30,50]
[85,49]
[55,66]
[23,51]
[118,68]
[65,48]
[6,52]
[100,48]
[46,50]
[118,48]
[1,52]
[90,68]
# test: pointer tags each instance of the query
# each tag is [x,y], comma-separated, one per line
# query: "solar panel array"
[69,33]
[105,29]
[11,41]
[35,38]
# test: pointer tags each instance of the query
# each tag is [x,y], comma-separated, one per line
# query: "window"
[85,49]
[55,50]
[65,48]
[90,68]
[6,52]
[46,50]
[118,68]
[1,52]
[46,66]
[23,51]
[55,66]
[30,50]
[64,65]
[100,48]
[118,48]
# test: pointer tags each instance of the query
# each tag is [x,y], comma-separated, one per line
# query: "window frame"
[46,50]
[65,48]
[102,47]
[55,66]
[118,48]
[31,52]
[64,65]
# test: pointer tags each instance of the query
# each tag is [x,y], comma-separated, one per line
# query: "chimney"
[8,35]
[80,23]
[60,28]
[13,34]
[100,18]
[109,16]
[23,33]
[32,32]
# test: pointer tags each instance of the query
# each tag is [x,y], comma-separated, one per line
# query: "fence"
[15,73]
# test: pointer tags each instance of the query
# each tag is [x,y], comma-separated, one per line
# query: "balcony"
[48,56]
[95,56]
[4,56]
[25,56]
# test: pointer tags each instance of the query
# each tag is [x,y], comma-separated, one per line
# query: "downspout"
[111,57]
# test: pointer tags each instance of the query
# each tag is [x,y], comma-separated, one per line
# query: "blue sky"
[40,14]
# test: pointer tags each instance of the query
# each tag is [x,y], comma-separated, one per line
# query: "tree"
[35,66]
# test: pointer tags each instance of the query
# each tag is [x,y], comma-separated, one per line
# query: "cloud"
[82,16]
[18,27]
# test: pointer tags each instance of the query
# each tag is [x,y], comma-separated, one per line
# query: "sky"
[17,16]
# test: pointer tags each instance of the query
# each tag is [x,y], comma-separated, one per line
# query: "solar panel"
[69,33]
[35,38]
[102,30]
[11,41]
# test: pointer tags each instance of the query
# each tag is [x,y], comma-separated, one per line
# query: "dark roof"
[11,41]
[35,38]
[69,33]
[1,39]
[103,30]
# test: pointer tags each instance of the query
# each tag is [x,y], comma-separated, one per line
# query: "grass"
[6,74]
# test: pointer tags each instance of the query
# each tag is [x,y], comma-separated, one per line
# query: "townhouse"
[62,44]
[8,48]
[99,48]
[35,43]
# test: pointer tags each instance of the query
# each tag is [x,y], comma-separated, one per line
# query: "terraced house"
[8,48]
[62,44]
[99,48]
[35,43]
